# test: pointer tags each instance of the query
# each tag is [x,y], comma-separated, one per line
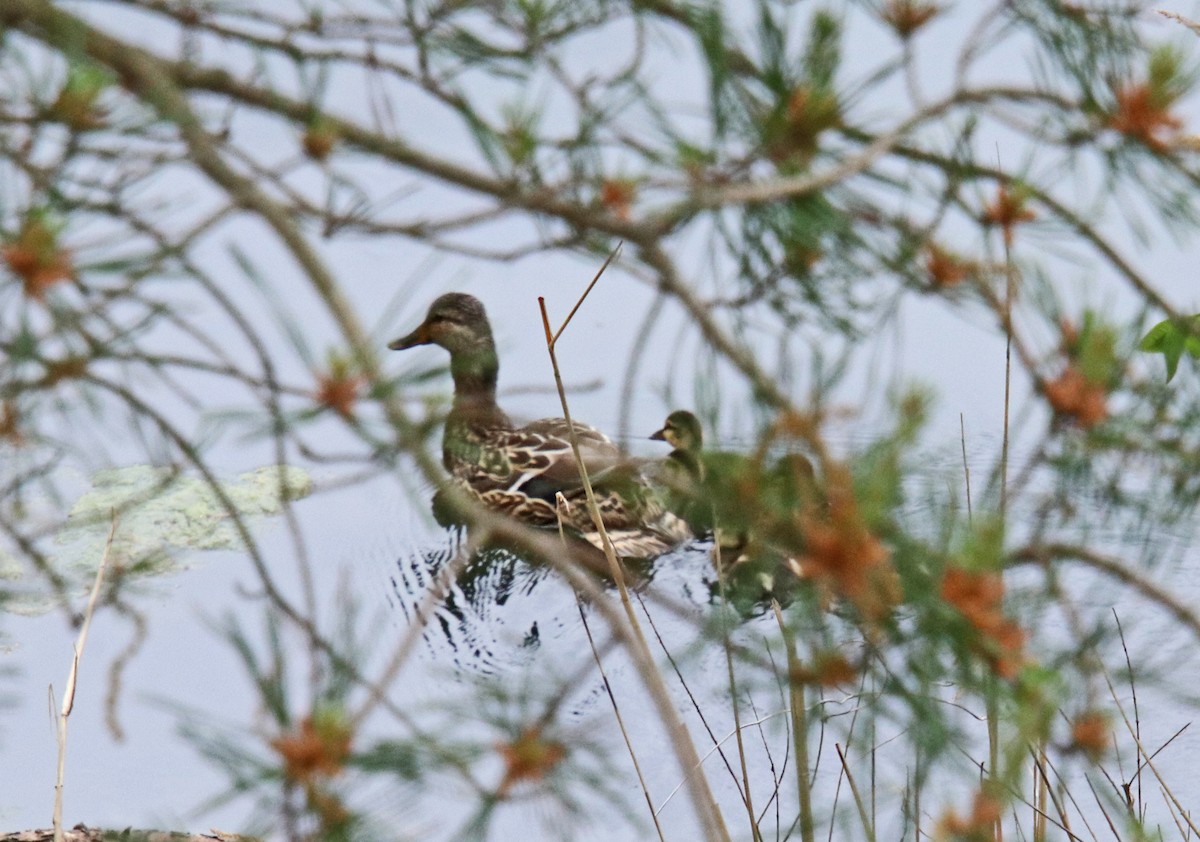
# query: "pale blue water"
[514,635]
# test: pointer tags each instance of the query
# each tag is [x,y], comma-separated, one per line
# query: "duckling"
[683,473]
[701,485]
[736,499]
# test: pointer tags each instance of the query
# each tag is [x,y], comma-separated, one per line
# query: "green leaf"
[1192,345]
[1171,338]
[1158,336]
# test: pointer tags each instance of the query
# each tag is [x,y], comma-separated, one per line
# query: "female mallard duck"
[520,470]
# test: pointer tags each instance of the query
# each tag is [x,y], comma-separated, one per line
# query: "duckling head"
[681,431]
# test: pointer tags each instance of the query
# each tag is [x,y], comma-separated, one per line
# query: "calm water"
[510,634]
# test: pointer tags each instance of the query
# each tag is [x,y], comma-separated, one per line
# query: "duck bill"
[420,336]
[661,435]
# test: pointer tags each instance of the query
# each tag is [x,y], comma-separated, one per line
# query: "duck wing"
[557,428]
[522,471]
[544,463]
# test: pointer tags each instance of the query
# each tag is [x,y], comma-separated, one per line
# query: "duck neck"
[475,373]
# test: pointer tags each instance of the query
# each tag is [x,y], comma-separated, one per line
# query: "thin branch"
[1045,553]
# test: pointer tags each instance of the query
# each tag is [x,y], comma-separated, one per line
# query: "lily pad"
[161,515]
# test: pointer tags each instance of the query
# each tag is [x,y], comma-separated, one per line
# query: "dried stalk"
[858,801]
[799,729]
[612,698]
[68,698]
[1148,760]
[702,798]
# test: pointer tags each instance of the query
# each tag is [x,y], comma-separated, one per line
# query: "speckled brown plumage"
[520,471]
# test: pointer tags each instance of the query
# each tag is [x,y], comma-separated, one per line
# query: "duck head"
[681,431]
[456,321]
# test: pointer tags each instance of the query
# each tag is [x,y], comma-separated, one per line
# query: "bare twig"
[1148,759]
[68,697]
[702,798]
[612,698]
[747,797]
[611,257]
[438,590]
[1044,553]
[993,707]
[962,425]
[1137,715]
[862,808]
[1178,18]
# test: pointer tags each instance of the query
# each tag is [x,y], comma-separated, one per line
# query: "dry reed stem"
[837,792]
[1125,786]
[917,798]
[593,509]
[1149,758]
[612,698]
[1137,718]
[703,800]
[1040,794]
[1040,815]
[686,689]
[1183,834]
[560,503]
[992,705]
[68,698]
[862,809]
[747,798]
[776,776]
[716,749]
[1046,817]
[1067,795]
[962,425]
[1112,826]
[799,714]
[611,257]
